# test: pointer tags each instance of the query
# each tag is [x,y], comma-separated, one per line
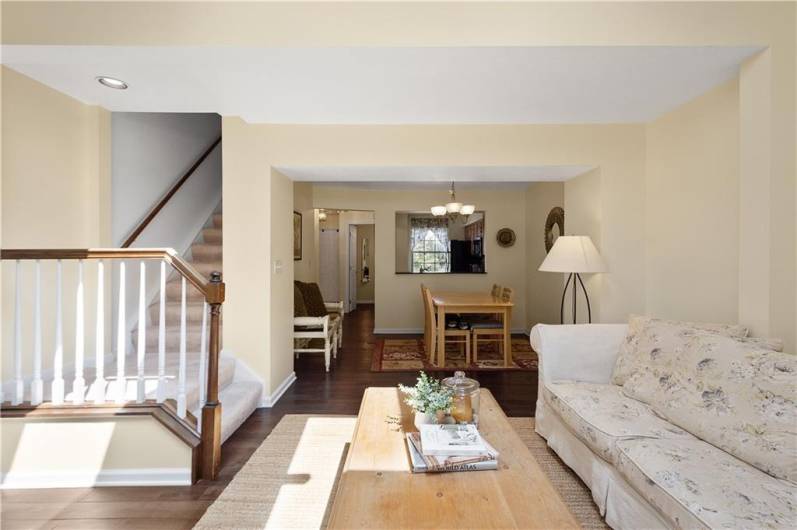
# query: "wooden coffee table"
[377,489]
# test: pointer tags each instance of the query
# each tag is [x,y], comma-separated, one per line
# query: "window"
[429,251]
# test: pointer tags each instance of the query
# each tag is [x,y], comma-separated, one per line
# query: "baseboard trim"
[270,401]
[419,331]
[87,479]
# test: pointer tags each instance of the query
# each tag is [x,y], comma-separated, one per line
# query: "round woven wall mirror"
[554,226]
[506,237]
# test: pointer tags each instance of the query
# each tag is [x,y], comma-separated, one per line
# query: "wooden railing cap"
[213,290]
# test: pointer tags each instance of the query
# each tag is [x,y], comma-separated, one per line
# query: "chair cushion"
[600,415]
[650,337]
[734,394]
[312,299]
[696,485]
[299,307]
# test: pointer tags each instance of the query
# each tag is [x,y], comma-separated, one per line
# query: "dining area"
[468,321]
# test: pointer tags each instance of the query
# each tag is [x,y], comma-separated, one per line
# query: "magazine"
[438,464]
[451,440]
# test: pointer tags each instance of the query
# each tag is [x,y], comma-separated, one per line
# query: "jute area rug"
[409,355]
[290,480]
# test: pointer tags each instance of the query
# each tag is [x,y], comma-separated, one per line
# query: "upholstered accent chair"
[317,325]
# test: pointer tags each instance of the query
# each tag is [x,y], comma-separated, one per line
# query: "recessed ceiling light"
[111,82]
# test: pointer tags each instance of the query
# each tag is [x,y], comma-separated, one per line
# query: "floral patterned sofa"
[671,424]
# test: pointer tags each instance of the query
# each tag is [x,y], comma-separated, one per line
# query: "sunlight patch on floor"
[311,473]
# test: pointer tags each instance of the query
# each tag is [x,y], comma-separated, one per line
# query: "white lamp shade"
[467,209]
[453,207]
[573,254]
[438,210]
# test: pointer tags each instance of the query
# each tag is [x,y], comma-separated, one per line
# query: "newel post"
[211,412]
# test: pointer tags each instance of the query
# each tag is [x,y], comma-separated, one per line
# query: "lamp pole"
[576,279]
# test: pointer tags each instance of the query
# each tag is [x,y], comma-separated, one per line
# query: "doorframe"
[351,269]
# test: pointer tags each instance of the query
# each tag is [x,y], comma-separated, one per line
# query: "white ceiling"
[404,177]
[388,85]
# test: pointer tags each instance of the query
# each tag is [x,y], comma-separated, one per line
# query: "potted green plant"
[429,399]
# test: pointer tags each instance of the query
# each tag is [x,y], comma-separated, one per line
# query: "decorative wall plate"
[506,237]
[556,217]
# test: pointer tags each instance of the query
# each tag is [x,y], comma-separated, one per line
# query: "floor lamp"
[573,255]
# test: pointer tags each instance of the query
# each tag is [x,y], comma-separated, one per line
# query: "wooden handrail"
[169,194]
[211,290]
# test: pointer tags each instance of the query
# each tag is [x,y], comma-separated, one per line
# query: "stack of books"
[440,448]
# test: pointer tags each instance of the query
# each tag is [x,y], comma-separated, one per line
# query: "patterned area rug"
[290,480]
[409,355]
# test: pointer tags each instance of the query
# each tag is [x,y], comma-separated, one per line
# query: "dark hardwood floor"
[315,391]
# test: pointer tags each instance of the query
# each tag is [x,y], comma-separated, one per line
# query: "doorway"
[361,252]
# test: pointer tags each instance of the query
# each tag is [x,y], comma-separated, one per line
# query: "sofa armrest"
[334,307]
[580,352]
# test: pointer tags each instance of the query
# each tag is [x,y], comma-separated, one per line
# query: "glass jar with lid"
[465,401]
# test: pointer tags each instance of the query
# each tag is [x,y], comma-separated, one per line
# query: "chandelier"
[452,207]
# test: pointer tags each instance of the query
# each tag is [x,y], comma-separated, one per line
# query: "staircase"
[239,398]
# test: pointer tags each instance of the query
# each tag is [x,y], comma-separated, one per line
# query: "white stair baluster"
[58,358]
[99,356]
[19,384]
[202,362]
[121,386]
[161,397]
[79,384]
[142,331]
[37,385]
[181,399]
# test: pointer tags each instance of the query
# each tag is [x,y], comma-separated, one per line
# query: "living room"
[664,132]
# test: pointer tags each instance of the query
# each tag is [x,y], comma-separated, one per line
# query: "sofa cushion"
[313,299]
[600,415]
[696,485]
[731,393]
[648,338]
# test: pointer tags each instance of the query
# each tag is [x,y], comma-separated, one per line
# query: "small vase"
[424,418]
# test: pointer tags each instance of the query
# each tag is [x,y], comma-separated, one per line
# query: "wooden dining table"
[457,302]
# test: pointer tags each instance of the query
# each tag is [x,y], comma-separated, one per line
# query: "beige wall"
[584,217]
[692,209]
[56,194]
[306,269]
[69,452]
[397,296]
[251,150]
[543,289]
[282,277]
[247,250]
[365,291]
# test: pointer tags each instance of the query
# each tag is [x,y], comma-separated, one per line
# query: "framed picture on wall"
[297,236]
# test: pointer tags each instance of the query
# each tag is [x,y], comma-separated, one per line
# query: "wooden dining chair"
[491,330]
[457,336]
